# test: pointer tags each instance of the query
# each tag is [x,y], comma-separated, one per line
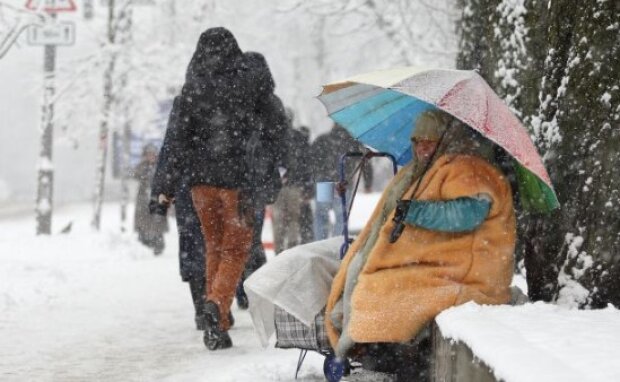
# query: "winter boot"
[214,338]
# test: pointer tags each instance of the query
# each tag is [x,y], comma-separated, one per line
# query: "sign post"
[45,177]
[49,36]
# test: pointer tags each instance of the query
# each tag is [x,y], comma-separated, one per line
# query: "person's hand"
[163,199]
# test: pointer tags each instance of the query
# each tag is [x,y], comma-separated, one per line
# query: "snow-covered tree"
[557,65]
[118,38]
[141,54]
[579,125]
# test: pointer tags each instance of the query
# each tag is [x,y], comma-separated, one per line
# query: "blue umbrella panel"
[383,121]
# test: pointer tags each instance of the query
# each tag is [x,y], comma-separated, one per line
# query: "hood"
[261,74]
[217,50]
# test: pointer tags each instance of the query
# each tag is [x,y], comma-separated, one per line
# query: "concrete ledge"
[455,362]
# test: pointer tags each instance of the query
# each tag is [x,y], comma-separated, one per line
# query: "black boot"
[214,337]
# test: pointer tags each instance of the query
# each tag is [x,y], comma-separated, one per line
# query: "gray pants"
[286,212]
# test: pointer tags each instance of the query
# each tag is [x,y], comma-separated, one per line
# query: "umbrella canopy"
[379,109]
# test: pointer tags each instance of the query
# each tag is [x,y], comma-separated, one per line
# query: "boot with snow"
[214,338]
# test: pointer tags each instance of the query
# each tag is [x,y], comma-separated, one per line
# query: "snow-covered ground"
[100,307]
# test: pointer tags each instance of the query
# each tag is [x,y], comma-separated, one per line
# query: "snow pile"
[539,342]
[572,294]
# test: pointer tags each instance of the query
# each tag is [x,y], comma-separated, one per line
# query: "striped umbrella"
[379,109]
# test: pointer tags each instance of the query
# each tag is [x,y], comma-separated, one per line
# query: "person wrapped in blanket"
[455,242]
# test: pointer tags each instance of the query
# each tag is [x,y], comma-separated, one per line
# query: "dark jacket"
[266,148]
[176,184]
[215,113]
[326,151]
[169,171]
[297,164]
[266,151]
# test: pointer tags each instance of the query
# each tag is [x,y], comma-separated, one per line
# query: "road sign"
[52,6]
[61,33]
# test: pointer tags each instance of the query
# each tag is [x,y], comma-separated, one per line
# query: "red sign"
[52,6]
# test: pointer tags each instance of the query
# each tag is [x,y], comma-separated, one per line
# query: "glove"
[156,208]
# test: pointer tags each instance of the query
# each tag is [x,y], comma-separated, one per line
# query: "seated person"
[456,241]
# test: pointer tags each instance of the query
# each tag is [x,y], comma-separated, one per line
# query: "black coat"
[216,107]
[326,151]
[169,170]
[266,150]
[298,163]
[176,184]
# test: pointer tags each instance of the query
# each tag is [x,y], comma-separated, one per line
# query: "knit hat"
[430,125]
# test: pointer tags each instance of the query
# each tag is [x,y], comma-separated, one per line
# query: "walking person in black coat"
[216,109]
[150,228]
[297,189]
[326,151]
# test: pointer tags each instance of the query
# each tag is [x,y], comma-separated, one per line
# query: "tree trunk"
[117,24]
[573,254]
[578,127]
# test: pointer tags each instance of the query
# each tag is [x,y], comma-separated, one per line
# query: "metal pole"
[108,89]
[44,202]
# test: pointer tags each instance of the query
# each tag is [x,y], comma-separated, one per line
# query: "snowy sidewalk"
[100,307]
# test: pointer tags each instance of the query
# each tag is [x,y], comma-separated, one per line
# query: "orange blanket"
[404,285]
